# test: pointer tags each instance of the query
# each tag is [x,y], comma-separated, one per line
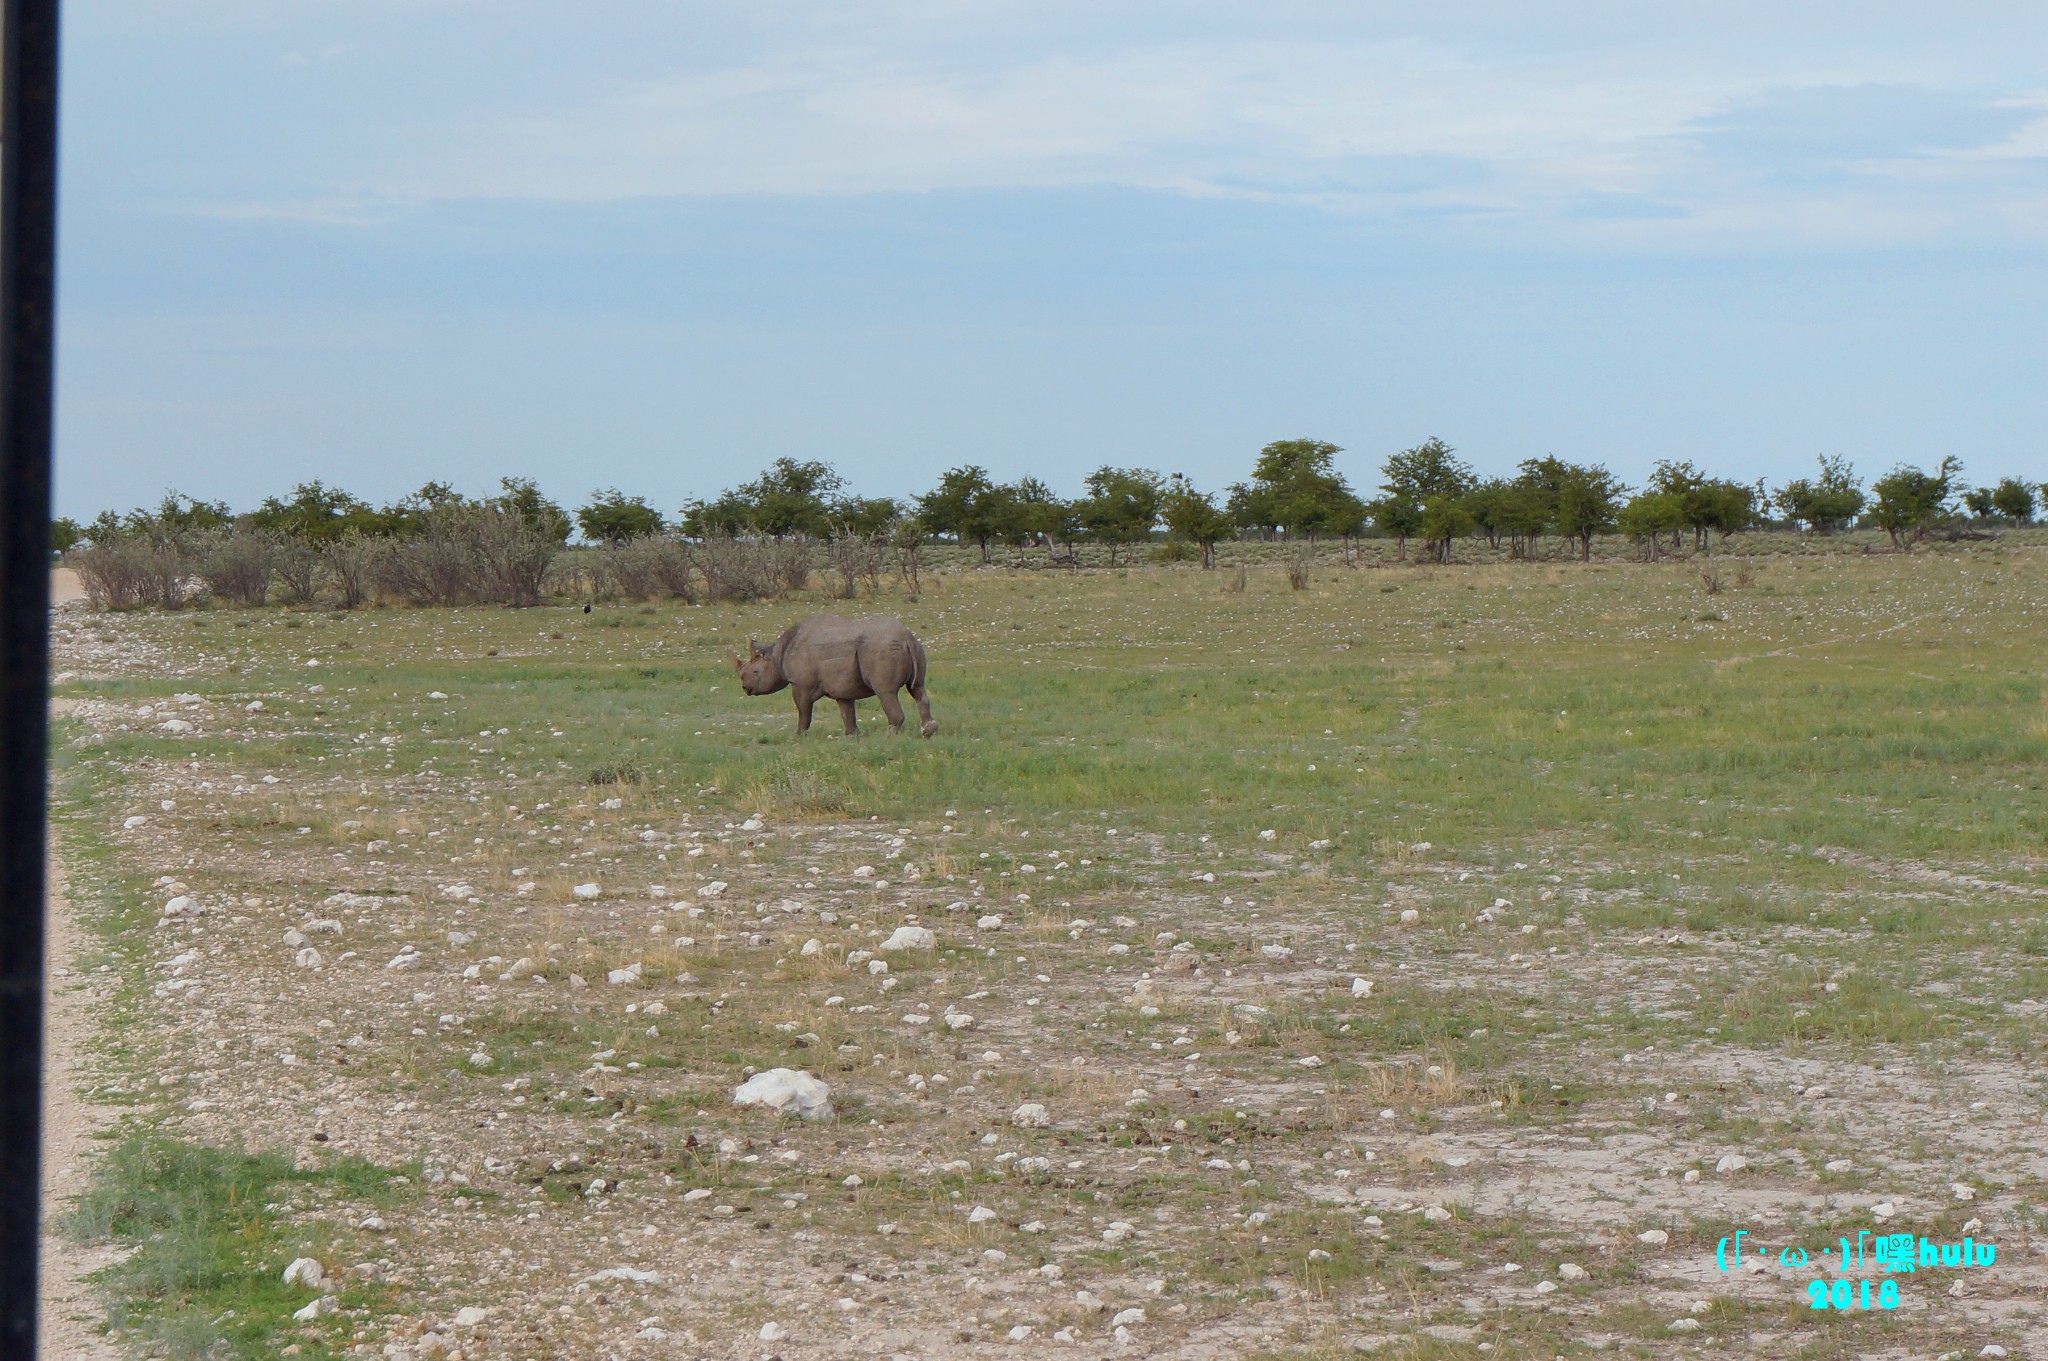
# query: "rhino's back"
[826,645]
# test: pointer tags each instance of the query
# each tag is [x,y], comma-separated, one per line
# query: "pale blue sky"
[657,244]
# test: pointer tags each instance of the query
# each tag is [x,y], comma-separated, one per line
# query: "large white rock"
[319,1308]
[911,938]
[786,1092]
[1031,1115]
[307,1272]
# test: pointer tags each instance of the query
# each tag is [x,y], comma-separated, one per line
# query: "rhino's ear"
[736,663]
[754,646]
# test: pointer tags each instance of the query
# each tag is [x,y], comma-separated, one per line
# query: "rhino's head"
[761,672]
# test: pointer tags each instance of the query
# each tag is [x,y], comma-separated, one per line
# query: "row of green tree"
[1295,491]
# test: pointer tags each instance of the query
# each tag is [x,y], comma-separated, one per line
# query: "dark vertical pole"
[28,251]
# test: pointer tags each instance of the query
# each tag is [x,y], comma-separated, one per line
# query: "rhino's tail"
[916,667]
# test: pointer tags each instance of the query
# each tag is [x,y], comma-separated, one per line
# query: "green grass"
[209,1232]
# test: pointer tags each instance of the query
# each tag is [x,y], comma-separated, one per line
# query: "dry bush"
[1234,584]
[856,558]
[648,567]
[235,565]
[428,568]
[750,569]
[136,571]
[296,565]
[350,562]
[511,557]
[1299,558]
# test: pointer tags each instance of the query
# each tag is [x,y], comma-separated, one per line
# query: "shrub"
[295,562]
[134,571]
[351,562]
[645,567]
[235,565]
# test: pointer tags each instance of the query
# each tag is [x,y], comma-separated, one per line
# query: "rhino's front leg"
[846,716]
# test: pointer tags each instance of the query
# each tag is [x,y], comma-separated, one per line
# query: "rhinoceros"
[846,659]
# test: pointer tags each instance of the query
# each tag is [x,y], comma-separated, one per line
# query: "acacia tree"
[1425,488]
[1193,516]
[1121,507]
[614,517]
[1649,516]
[1906,503]
[2013,499]
[318,513]
[965,504]
[1030,512]
[1826,503]
[1588,498]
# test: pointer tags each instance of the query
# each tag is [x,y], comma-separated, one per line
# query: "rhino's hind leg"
[846,716]
[893,707]
[926,727]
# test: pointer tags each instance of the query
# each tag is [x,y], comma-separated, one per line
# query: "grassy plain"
[1644,877]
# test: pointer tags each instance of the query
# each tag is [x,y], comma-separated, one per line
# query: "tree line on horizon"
[438,546]
[1295,491]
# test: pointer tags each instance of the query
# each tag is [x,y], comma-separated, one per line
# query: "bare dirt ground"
[71,1313]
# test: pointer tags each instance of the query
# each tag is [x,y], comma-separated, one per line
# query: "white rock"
[1410,915]
[786,1092]
[812,947]
[1436,1214]
[307,1272]
[1268,834]
[1276,952]
[307,958]
[479,1059]
[1361,987]
[772,1331]
[1656,1238]
[319,1308]
[1127,1317]
[864,872]
[1310,1061]
[753,824]
[1837,1165]
[1571,1271]
[716,888]
[1733,1162]
[130,824]
[1020,1332]
[1683,1325]
[175,725]
[631,1275]
[1991,1348]
[1545,1287]
[878,966]
[1030,1115]
[293,938]
[959,1020]
[587,891]
[1884,1209]
[989,923]
[910,938]
[980,1214]
[183,907]
[469,1316]
[630,974]
[1963,1190]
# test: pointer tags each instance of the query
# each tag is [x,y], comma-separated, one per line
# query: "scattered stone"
[772,1331]
[1733,1162]
[1436,1214]
[1410,916]
[715,889]
[1656,1238]
[1128,1317]
[1884,1209]
[631,1275]
[1963,1190]
[980,1214]
[1031,1115]
[587,891]
[320,1308]
[1361,987]
[1571,1271]
[1683,1325]
[469,1316]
